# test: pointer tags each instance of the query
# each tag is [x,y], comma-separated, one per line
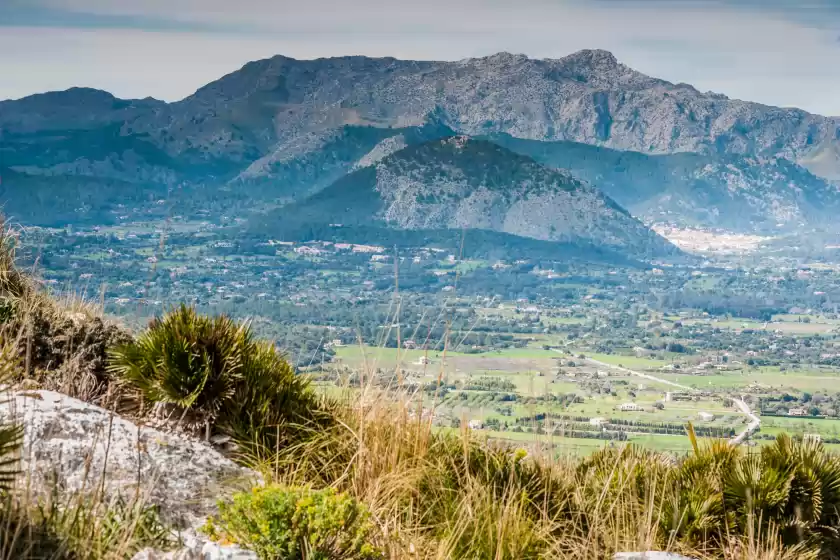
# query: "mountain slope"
[462,183]
[739,193]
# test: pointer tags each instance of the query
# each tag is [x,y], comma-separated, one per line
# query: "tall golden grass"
[442,495]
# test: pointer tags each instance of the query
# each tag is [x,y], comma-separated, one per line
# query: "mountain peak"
[505,56]
[593,61]
[596,57]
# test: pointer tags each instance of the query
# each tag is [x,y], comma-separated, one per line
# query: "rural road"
[752,427]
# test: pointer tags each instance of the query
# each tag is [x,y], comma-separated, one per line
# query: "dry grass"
[62,339]
[436,496]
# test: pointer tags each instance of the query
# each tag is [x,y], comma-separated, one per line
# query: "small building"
[597,421]
[706,416]
[476,425]
[409,344]
[797,412]
[311,251]
[423,361]
[336,343]
[629,407]
[816,438]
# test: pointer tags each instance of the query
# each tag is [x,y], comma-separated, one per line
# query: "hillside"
[737,193]
[462,183]
[259,457]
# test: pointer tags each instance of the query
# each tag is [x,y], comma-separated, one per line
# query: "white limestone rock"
[78,444]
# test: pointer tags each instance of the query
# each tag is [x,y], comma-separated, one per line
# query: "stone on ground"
[83,447]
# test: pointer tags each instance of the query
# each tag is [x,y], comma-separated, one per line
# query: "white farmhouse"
[630,407]
[476,425]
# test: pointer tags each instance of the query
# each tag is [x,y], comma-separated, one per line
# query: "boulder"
[83,447]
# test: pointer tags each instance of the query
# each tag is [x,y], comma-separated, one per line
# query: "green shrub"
[215,373]
[185,359]
[271,403]
[289,523]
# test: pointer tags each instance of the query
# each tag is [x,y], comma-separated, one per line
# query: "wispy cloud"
[19,13]
[817,13]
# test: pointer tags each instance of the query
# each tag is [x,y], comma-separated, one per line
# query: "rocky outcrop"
[82,447]
[201,551]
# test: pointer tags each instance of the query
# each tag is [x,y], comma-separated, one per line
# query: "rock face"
[459,182]
[79,445]
[201,551]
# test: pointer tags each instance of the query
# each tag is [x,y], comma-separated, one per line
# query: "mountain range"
[280,131]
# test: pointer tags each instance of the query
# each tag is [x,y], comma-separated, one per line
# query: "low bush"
[215,373]
[188,360]
[65,340]
[289,523]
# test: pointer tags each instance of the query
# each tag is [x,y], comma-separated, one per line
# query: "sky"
[779,52]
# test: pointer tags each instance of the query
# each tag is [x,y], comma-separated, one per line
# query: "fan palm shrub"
[794,485]
[271,404]
[187,360]
[214,372]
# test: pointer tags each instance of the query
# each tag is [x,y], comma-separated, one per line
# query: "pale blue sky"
[778,52]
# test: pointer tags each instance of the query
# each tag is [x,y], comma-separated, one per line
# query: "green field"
[531,372]
[768,377]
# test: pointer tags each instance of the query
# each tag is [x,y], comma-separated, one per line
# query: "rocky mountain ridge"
[251,116]
[281,129]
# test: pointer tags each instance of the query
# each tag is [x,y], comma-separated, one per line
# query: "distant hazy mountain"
[461,183]
[281,128]
[734,192]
